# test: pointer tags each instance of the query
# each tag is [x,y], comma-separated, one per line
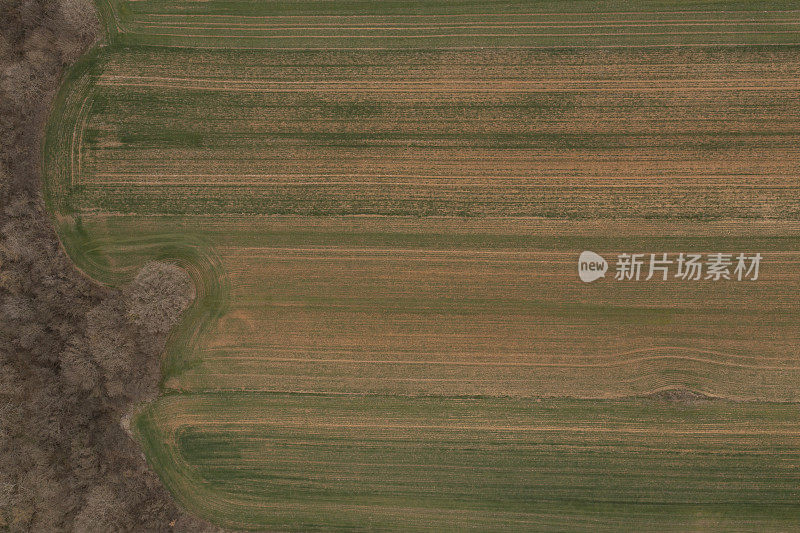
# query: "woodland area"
[75,357]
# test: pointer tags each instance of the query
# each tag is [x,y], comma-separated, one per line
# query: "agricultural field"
[382,206]
[327,462]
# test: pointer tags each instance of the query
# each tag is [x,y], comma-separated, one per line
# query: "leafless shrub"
[157,297]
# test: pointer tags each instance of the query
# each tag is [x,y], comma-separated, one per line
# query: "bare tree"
[157,296]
